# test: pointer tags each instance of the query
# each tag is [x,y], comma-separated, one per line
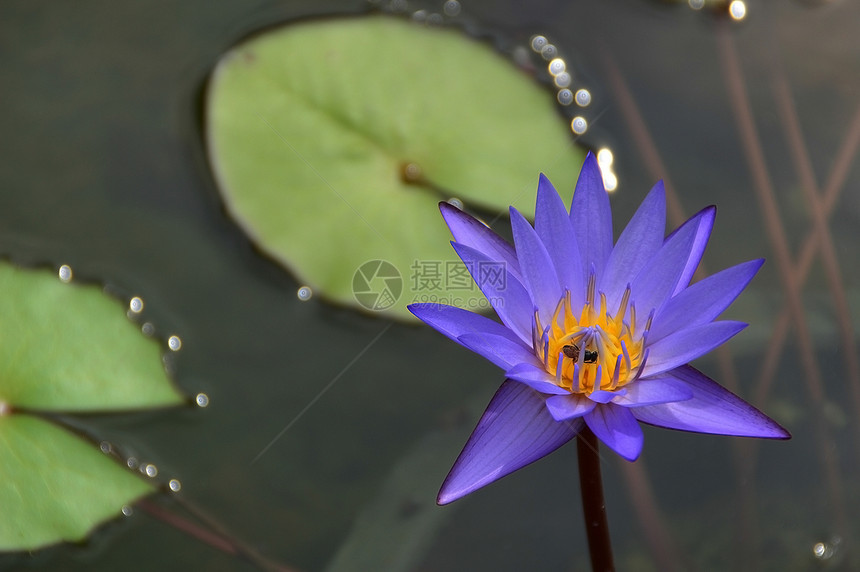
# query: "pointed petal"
[539,275]
[535,377]
[704,300]
[454,322]
[552,225]
[657,280]
[570,406]
[704,221]
[683,347]
[468,230]
[712,409]
[506,294]
[515,430]
[500,350]
[636,246]
[591,218]
[653,391]
[617,428]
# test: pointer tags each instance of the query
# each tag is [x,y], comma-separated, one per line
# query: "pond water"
[327,431]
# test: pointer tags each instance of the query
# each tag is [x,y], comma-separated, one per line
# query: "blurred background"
[103,167]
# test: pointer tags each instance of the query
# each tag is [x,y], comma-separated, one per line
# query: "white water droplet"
[455,202]
[65,273]
[605,157]
[556,66]
[604,161]
[174,343]
[583,97]
[132,462]
[175,485]
[304,293]
[565,97]
[548,52]
[105,447]
[738,10]
[610,181]
[127,510]
[149,470]
[135,305]
[579,125]
[451,8]
[202,400]
[562,80]
[538,43]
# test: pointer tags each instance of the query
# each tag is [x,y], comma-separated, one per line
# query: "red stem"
[593,504]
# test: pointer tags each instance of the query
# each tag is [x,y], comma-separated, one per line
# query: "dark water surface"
[102,167]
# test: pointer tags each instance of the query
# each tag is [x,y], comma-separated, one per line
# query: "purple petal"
[617,428]
[686,345]
[454,322]
[704,300]
[656,282]
[704,221]
[552,225]
[591,217]
[515,430]
[570,406]
[601,396]
[468,230]
[653,391]
[505,293]
[539,275]
[500,350]
[536,377]
[712,409]
[641,239]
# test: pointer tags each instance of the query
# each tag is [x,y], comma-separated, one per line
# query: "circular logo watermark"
[377,285]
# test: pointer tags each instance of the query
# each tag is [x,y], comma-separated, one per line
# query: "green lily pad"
[67,347]
[314,131]
[71,348]
[56,486]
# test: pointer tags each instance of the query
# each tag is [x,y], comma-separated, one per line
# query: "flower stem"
[593,505]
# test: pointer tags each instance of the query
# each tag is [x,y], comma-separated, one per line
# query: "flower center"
[592,350]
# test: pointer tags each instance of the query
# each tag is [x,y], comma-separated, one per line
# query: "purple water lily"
[591,334]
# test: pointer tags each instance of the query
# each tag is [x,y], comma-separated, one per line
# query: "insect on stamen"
[572,352]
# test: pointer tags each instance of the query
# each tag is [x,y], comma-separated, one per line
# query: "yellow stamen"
[592,350]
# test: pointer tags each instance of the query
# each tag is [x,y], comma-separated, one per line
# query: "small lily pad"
[332,142]
[56,486]
[70,348]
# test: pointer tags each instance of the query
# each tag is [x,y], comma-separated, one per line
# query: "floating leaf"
[56,486]
[65,347]
[333,141]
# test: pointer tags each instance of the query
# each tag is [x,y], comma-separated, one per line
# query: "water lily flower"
[592,333]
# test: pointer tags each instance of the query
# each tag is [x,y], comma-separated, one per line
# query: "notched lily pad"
[70,348]
[55,486]
[332,142]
